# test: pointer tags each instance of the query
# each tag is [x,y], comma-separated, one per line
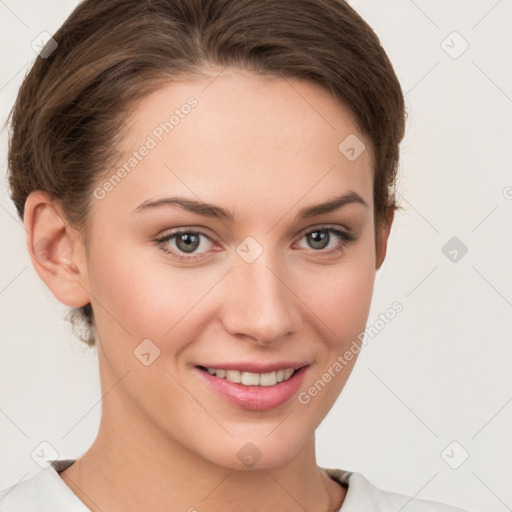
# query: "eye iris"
[191,242]
[318,237]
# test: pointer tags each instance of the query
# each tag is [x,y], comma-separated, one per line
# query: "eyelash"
[344,237]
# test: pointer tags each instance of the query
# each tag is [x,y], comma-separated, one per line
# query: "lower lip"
[256,398]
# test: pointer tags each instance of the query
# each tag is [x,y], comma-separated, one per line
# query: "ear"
[56,250]
[382,237]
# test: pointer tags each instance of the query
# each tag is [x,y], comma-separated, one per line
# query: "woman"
[209,185]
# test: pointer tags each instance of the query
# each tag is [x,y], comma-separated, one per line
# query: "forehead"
[236,137]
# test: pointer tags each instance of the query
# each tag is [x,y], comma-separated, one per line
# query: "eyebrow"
[211,210]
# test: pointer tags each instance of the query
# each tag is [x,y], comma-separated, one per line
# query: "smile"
[250,378]
[252,386]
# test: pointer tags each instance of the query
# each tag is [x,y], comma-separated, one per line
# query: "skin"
[263,149]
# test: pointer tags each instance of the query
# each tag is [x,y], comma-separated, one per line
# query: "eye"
[320,238]
[184,242]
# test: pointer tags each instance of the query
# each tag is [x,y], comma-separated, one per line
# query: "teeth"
[268,379]
[232,376]
[250,379]
[253,379]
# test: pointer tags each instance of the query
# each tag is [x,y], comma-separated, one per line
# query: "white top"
[45,491]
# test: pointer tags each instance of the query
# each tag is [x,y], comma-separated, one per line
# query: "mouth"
[251,378]
[244,387]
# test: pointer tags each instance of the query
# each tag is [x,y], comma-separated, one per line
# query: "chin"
[256,453]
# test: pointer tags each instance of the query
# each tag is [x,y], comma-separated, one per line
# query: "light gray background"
[439,372]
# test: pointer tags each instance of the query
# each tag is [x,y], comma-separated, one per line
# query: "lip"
[251,366]
[256,398]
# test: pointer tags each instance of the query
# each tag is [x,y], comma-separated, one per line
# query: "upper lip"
[252,367]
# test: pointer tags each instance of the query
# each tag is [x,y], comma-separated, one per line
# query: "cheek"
[140,296]
[353,298]
[341,303]
[341,296]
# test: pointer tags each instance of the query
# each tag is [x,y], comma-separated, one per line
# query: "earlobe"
[56,250]
[382,238]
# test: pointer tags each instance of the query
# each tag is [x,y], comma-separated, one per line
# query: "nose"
[261,304]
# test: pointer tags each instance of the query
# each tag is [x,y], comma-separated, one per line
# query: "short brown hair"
[68,116]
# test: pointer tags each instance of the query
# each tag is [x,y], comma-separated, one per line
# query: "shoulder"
[41,492]
[363,496]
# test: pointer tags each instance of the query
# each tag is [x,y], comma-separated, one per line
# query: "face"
[208,265]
